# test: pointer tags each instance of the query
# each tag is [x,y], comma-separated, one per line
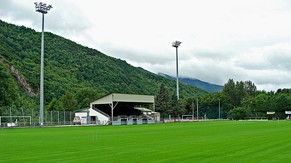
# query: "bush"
[238,113]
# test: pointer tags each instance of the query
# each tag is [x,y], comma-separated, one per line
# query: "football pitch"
[216,141]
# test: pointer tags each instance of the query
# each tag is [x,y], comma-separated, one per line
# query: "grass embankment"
[224,141]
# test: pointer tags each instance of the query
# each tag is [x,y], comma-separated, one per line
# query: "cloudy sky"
[237,39]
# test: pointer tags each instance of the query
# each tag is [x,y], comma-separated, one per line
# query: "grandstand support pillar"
[111,113]
[112,108]
[88,118]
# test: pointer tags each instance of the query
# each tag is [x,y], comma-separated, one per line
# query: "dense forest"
[237,100]
[72,72]
[75,75]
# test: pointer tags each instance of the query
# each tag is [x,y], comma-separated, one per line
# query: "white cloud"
[242,39]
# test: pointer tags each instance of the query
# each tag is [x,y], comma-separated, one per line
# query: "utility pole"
[197,109]
[219,109]
[192,110]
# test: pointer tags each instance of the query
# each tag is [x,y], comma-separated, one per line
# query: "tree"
[182,106]
[240,93]
[86,95]
[210,104]
[54,105]
[260,103]
[280,103]
[250,87]
[176,108]
[162,103]
[68,101]
[236,92]
[284,90]
[239,113]
[229,92]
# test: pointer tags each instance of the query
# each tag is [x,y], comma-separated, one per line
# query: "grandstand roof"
[118,97]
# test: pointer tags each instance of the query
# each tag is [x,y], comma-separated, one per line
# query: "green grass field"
[219,141]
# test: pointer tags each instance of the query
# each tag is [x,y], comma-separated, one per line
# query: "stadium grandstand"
[119,109]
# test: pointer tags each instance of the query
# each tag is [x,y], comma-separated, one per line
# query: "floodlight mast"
[176,44]
[43,9]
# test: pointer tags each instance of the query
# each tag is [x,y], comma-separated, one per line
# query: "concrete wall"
[102,119]
[132,122]
[86,118]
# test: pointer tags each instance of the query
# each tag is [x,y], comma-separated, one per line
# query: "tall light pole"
[43,9]
[176,44]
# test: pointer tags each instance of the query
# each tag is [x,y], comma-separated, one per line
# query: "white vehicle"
[77,120]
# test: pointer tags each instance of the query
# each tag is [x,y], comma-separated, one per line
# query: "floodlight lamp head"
[42,7]
[176,44]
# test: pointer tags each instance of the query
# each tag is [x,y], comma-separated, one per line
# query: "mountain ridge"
[211,88]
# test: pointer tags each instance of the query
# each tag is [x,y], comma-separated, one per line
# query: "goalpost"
[187,117]
[16,118]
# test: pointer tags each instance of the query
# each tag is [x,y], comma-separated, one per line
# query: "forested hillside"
[69,67]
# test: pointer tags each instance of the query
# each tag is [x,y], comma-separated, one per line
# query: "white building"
[90,116]
[117,109]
